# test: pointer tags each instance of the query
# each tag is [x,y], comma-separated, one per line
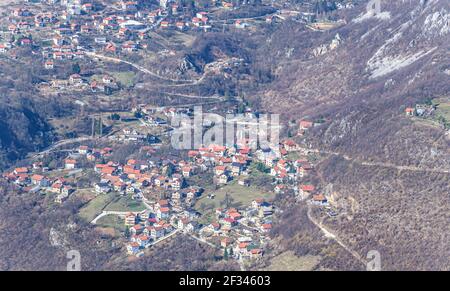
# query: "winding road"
[334,237]
[59,144]
[139,68]
[381,164]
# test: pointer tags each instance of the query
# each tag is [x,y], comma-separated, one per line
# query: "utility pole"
[101,126]
[93,126]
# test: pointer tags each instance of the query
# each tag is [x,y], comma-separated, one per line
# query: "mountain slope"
[360,78]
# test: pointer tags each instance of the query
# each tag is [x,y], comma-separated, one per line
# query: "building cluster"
[39,178]
[34,179]
[242,234]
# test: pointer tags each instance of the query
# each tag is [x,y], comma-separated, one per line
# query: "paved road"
[163,238]
[118,213]
[59,144]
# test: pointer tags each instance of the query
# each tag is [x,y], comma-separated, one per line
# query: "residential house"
[163,212]
[40,180]
[101,188]
[320,200]
[133,248]
[18,171]
[265,209]
[305,190]
[136,229]
[223,179]
[410,111]
[130,219]
[75,79]
[70,164]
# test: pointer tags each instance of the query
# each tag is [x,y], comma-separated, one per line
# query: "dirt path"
[140,68]
[220,98]
[385,165]
[334,237]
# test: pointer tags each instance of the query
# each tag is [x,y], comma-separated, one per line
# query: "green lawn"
[112,221]
[444,110]
[288,261]
[96,206]
[241,196]
[127,79]
[125,204]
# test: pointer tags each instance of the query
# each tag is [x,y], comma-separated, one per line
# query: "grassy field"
[125,204]
[241,196]
[96,206]
[182,38]
[443,108]
[288,261]
[109,202]
[112,221]
[127,79]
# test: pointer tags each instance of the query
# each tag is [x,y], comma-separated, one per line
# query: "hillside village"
[155,197]
[162,199]
[68,29]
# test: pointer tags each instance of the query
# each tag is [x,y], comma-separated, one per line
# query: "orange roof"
[306,124]
[234,215]
[164,209]
[163,202]
[308,188]
[21,170]
[37,177]
[143,237]
[243,245]
[319,197]
[108,170]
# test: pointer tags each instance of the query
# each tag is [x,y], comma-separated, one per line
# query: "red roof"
[319,197]
[37,177]
[308,188]
[306,124]
[21,170]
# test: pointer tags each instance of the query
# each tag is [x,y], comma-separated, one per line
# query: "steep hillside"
[41,236]
[22,130]
[389,173]
[374,67]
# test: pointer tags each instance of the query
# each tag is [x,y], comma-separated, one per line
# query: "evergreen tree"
[225,254]
[76,69]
